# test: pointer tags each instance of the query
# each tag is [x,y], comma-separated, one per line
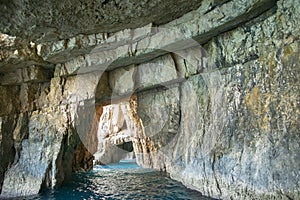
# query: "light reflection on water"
[121,181]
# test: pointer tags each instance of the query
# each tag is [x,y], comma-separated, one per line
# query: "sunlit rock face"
[222,118]
[116,133]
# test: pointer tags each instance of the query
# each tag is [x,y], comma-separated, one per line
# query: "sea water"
[125,180]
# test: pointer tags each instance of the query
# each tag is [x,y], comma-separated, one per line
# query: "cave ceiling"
[52,20]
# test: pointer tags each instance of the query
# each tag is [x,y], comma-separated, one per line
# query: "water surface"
[125,180]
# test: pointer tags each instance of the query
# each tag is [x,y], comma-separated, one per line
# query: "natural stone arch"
[111,87]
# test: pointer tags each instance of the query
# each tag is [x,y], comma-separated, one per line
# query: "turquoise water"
[125,180]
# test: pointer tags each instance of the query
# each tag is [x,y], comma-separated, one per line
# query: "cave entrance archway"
[116,133]
[162,71]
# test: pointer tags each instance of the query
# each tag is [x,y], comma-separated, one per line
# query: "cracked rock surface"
[222,118]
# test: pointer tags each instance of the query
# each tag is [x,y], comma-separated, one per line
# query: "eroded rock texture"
[239,129]
[222,119]
[38,138]
[23,18]
[117,130]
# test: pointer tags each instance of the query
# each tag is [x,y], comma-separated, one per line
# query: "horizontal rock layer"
[131,46]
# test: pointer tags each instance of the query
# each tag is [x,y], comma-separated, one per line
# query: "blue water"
[125,180]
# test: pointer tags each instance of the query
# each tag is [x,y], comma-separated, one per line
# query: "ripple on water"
[125,180]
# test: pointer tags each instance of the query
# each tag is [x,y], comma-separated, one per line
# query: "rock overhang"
[129,46]
[56,20]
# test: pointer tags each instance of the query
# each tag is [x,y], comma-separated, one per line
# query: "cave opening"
[127,146]
[116,133]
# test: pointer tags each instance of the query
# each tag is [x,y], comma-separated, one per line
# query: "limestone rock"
[17,53]
[8,102]
[7,150]
[42,135]
[130,46]
[80,88]
[233,140]
[116,133]
[62,50]
[83,159]
[248,141]
[192,61]
[90,16]
[223,119]
[122,81]
[32,73]
[128,80]
[41,149]
[12,78]
[159,111]
[156,72]
[168,38]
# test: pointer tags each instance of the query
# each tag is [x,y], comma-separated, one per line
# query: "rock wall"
[238,118]
[222,118]
[38,138]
